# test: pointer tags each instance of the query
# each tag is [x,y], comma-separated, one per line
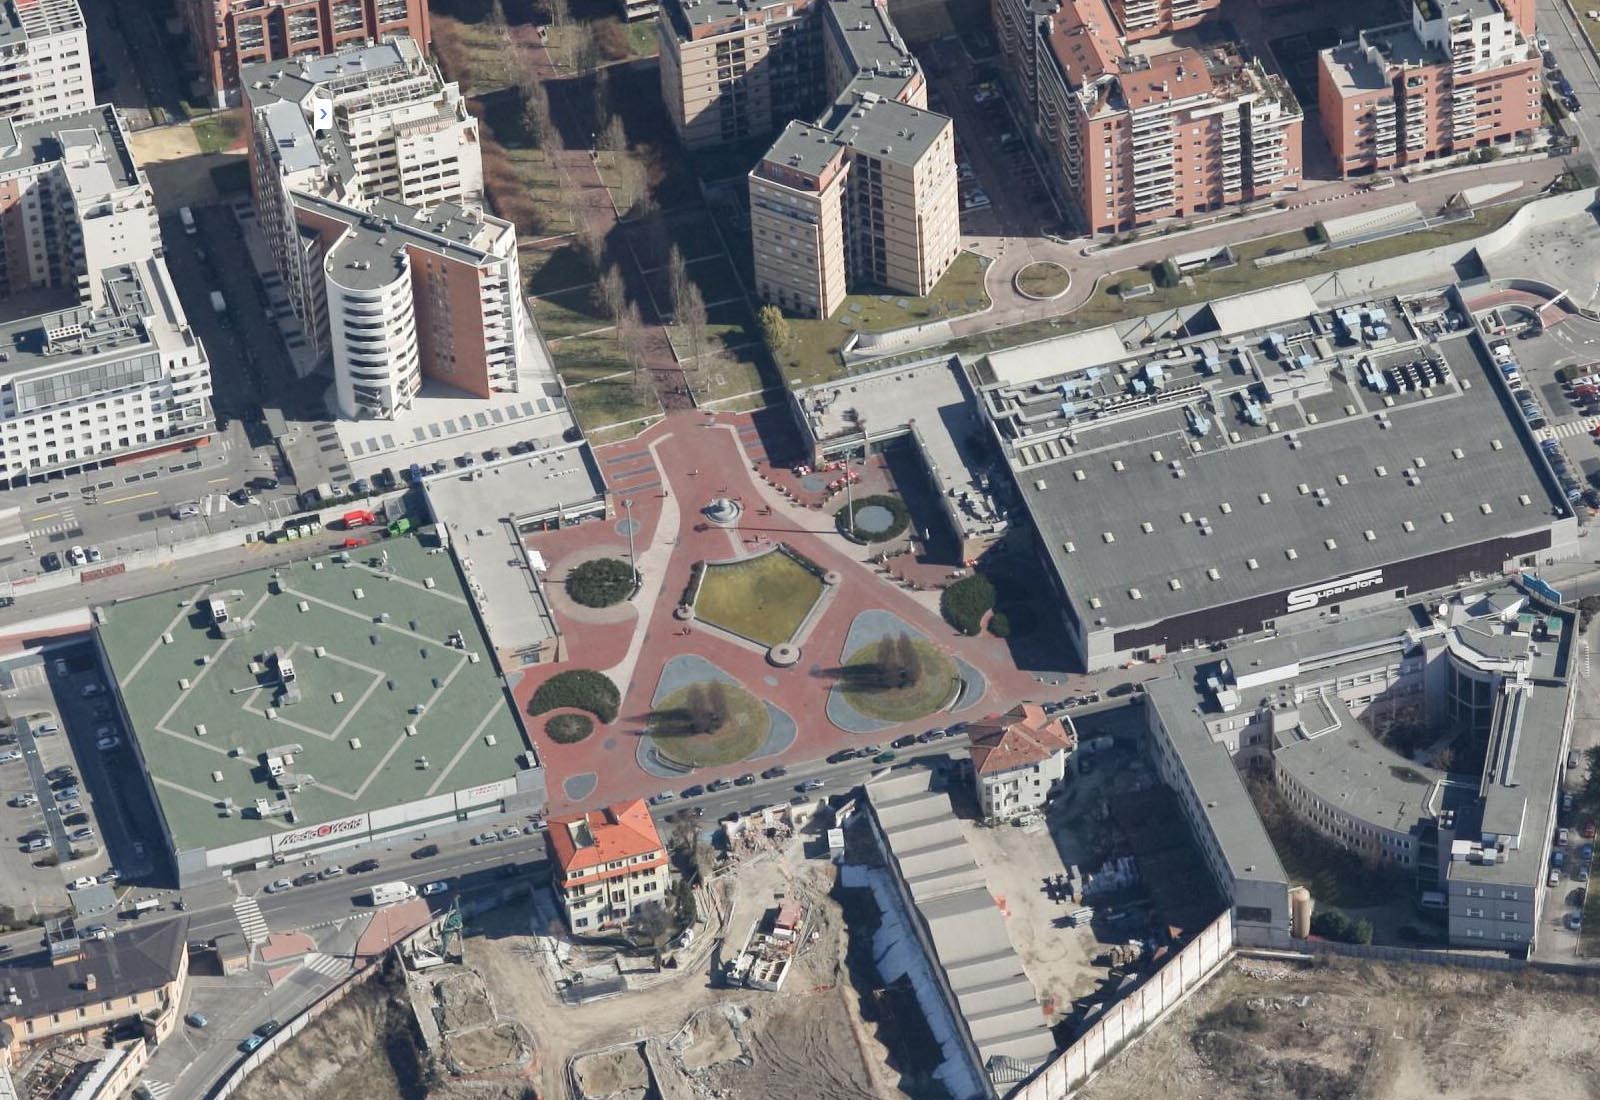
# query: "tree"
[536,113]
[897,663]
[697,710]
[677,278]
[609,292]
[613,138]
[774,328]
[691,318]
[650,923]
[630,337]
[683,903]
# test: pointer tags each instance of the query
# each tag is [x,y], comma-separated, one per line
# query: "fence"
[1160,994]
[1422,956]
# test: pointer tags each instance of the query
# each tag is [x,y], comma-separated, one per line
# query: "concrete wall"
[1160,993]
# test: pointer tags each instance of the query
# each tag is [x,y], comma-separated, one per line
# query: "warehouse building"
[1467,817]
[1256,463]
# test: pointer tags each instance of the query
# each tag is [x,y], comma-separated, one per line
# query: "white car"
[279,886]
[94,553]
[434,888]
[84,833]
[46,730]
[83,882]
[97,932]
[106,744]
[70,806]
[76,556]
[10,757]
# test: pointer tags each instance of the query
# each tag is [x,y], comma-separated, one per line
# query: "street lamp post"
[633,563]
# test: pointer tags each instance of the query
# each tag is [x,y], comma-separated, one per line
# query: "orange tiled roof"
[1021,736]
[616,832]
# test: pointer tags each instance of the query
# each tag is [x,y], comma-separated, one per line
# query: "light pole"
[633,563]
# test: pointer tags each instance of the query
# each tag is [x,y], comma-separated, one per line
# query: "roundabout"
[1043,281]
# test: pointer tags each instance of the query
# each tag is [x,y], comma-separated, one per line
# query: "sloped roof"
[1022,736]
[598,837]
[133,961]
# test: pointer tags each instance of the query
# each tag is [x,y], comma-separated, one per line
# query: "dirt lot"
[609,1072]
[1370,1031]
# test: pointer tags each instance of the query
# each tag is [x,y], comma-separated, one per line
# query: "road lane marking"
[41,518]
[131,496]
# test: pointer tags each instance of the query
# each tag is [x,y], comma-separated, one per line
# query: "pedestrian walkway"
[158,1089]
[1583,426]
[328,965]
[251,922]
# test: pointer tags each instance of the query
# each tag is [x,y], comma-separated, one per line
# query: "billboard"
[320,834]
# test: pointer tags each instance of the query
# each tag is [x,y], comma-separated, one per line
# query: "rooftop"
[135,960]
[1363,66]
[1203,472]
[391,711]
[24,19]
[863,122]
[593,839]
[368,254]
[1017,739]
[96,132]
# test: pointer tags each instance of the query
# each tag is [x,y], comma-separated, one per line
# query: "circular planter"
[783,656]
[1042,281]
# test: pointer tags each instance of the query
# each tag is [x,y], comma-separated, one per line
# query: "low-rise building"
[126,987]
[1461,75]
[368,185]
[1134,133]
[112,368]
[44,60]
[1018,759]
[608,862]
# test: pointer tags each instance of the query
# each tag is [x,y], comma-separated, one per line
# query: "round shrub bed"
[601,582]
[899,519]
[569,727]
[580,689]
[965,603]
[1043,280]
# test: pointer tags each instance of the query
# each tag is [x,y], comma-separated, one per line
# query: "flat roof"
[46,141]
[385,653]
[1145,519]
[1362,66]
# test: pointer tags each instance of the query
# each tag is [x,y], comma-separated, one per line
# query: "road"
[1578,63]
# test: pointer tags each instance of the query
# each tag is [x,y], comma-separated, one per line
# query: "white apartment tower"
[113,369]
[44,59]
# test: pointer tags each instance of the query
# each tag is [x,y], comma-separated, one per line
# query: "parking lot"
[72,806]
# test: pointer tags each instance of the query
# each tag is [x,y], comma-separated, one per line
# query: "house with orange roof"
[1019,759]
[608,862]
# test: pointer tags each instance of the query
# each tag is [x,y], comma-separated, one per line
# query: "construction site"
[1345,1028]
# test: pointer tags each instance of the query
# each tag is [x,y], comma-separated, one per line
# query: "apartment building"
[1462,75]
[44,60]
[1140,19]
[112,367]
[1018,760]
[1134,133]
[859,185]
[228,36]
[608,862]
[368,184]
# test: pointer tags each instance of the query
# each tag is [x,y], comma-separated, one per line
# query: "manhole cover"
[874,519]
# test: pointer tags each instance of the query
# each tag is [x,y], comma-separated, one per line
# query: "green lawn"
[764,599]
[585,358]
[932,690]
[568,313]
[743,731]
[610,401]
[728,374]
[813,352]
[1043,280]
[555,266]
[218,132]
[472,54]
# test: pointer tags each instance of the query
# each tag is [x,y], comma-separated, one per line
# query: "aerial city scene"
[842,549]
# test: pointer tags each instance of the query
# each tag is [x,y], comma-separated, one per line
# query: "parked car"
[841,756]
[777,771]
[488,837]
[693,792]
[76,556]
[434,888]
[720,785]
[510,831]
[363,867]
[1555,877]
[330,872]
[278,886]
[662,797]
[83,882]
[196,1020]
[903,742]
[94,554]
[745,780]
[427,851]
[22,801]
[1574,920]
[50,562]
[306,879]
[251,1042]
[269,1029]
[884,758]
[810,785]
[10,757]
[1572,759]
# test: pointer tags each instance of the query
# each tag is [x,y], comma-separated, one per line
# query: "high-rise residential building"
[112,368]
[1141,19]
[860,185]
[367,180]
[44,60]
[1461,75]
[230,35]
[608,862]
[1133,133]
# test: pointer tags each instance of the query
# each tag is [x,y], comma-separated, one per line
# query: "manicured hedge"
[965,603]
[601,582]
[902,518]
[580,688]
[569,728]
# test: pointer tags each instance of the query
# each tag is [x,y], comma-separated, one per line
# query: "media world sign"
[317,834]
[1304,599]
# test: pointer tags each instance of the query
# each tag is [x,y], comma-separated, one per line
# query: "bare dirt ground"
[711,1041]
[806,1040]
[498,1046]
[609,1072]
[1367,1031]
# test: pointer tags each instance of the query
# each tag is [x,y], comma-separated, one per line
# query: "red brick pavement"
[699,461]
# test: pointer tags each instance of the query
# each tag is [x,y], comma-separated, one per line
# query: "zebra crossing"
[158,1089]
[65,520]
[251,922]
[327,965]
[1571,428]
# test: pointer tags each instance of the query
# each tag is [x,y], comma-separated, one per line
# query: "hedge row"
[965,603]
[580,688]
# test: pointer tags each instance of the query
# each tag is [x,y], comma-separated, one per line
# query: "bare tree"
[630,336]
[677,278]
[650,923]
[610,293]
[536,113]
[613,138]
[691,319]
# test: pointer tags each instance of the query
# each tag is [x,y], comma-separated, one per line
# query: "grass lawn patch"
[472,54]
[586,358]
[741,726]
[568,313]
[812,355]
[218,132]
[1043,279]
[933,687]
[555,267]
[579,689]
[764,598]
[569,727]
[729,374]
[714,277]
[610,401]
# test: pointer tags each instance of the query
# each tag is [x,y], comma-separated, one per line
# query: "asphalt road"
[1578,64]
